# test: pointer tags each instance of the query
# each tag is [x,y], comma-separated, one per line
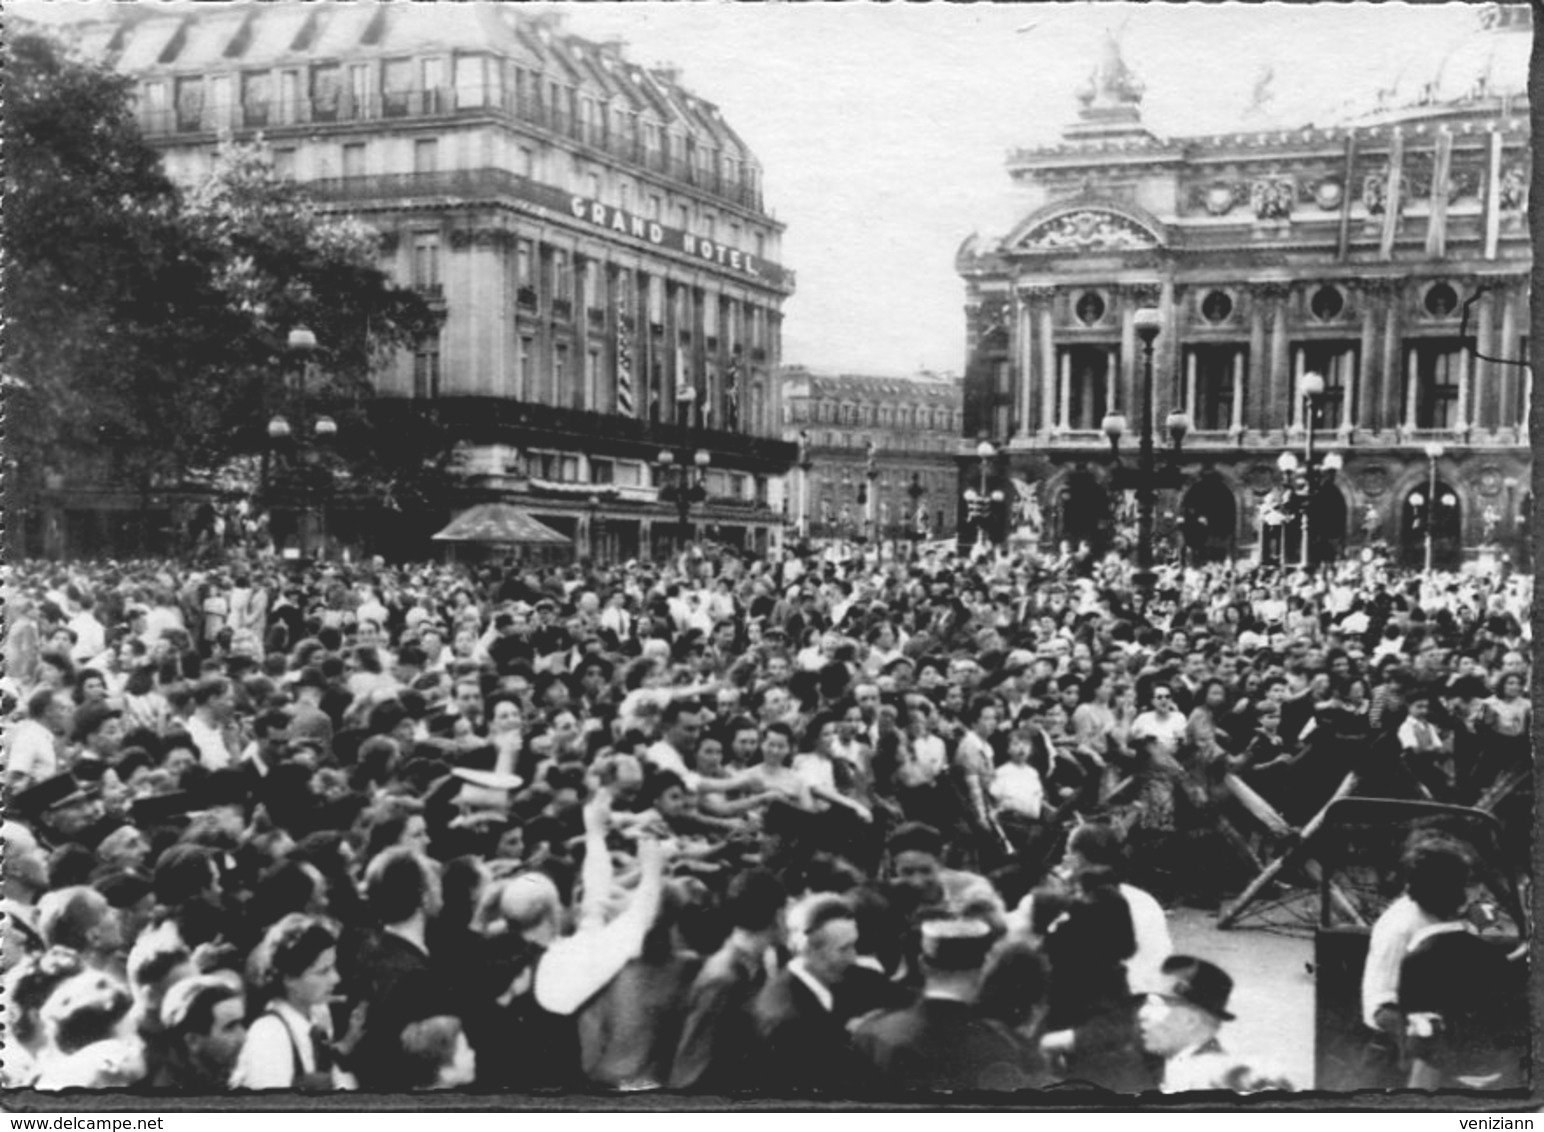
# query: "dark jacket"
[943,1045]
[803,1045]
[717,1051]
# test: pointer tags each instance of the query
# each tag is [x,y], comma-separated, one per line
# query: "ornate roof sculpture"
[1110,99]
[1111,84]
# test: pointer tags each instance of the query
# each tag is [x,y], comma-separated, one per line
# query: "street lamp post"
[979,503]
[806,465]
[301,344]
[871,504]
[594,529]
[1288,464]
[1147,321]
[915,492]
[1434,452]
[1311,388]
[681,488]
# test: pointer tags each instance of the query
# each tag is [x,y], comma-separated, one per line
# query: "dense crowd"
[718,824]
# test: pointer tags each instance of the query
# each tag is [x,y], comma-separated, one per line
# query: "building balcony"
[343,108]
[523,424]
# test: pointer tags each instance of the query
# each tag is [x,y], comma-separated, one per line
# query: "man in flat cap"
[943,1042]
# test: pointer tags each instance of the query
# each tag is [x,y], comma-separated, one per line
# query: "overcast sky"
[883,128]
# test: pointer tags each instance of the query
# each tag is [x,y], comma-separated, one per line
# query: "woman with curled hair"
[289,1045]
[26,990]
[91,1041]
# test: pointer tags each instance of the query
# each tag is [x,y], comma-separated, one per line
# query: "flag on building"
[732,392]
[684,389]
[626,405]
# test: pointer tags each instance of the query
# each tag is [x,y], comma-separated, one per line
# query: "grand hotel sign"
[593,213]
[674,239]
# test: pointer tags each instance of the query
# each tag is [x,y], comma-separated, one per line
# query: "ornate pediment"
[1087,229]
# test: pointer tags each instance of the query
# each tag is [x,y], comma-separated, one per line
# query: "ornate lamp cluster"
[683,482]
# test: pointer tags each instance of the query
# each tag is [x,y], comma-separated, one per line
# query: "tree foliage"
[146,324]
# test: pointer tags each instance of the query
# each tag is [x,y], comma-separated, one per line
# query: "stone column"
[1412,384]
[1064,399]
[1048,410]
[1294,393]
[1236,423]
[1280,396]
[1493,196]
[1166,356]
[1259,401]
[1366,416]
[1023,354]
[1461,424]
[1393,365]
[1126,385]
[1189,404]
[1486,405]
[1111,378]
[1506,412]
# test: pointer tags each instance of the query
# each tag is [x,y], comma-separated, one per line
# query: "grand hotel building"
[1388,252]
[594,234]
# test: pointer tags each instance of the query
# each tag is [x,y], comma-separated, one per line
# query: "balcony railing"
[498,420]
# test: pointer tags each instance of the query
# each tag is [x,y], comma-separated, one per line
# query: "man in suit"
[804,1041]
[718,1047]
[943,1042]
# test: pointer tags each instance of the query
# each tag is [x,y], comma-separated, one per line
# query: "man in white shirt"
[682,727]
[1016,786]
[1162,722]
[33,754]
[90,637]
[1436,875]
[213,702]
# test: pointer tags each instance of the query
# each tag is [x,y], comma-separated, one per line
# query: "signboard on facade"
[620,222]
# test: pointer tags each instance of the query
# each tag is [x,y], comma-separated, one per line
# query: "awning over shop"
[502,524]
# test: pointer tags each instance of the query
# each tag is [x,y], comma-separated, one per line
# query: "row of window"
[933,480]
[1324,304]
[883,416]
[567,282]
[569,467]
[1214,383]
[409,88]
[903,441]
[557,373]
[356,160]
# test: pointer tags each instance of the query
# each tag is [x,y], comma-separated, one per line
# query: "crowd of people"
[782,824]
